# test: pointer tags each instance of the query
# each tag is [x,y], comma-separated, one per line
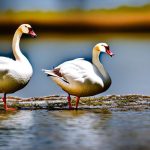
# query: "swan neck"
[100,67]
[15,45]
[95,57]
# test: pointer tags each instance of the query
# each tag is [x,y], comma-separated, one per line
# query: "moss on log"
[56,102]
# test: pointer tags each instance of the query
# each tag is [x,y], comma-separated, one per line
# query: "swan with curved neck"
[82,78]
[15,74]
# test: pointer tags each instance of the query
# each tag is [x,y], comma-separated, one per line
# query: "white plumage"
[15,74]
[82,78]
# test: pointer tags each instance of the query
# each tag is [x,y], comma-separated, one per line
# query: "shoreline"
[121,19]
[76,28]
[103,103]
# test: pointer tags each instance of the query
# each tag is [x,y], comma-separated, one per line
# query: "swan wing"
[5,66]
[6,61]
[77,70]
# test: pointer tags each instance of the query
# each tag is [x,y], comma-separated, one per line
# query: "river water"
[129,68]
[85,130]
[74,130]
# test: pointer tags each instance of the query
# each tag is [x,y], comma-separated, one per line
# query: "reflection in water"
[75,130]
[84,129]
[6,115]
[129,69]
[13,129]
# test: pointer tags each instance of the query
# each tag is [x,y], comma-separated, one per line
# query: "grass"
[89,101]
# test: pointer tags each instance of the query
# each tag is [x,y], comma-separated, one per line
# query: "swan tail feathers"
[53,74]
[49,73]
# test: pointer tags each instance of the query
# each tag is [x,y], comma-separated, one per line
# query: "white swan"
[81,78]
[15,74]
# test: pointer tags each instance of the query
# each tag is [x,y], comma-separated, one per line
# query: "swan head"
[103,47]
[27,29]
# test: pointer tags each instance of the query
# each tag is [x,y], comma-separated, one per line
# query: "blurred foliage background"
[76,16]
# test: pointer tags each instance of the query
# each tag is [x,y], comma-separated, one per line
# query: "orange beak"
[32,33]
[109,52]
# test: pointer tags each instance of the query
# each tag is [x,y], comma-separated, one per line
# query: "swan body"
[15,74]
[82,78]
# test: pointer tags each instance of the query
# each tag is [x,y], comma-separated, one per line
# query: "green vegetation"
[144,8]
[103,104]
[121,17]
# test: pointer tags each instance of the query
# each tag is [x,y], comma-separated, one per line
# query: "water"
[65,130]
[129,68]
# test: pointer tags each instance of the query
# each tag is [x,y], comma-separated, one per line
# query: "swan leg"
[5,104]
[69,102]
[77,102]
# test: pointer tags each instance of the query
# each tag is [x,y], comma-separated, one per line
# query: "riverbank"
[104,103]
[122,19]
